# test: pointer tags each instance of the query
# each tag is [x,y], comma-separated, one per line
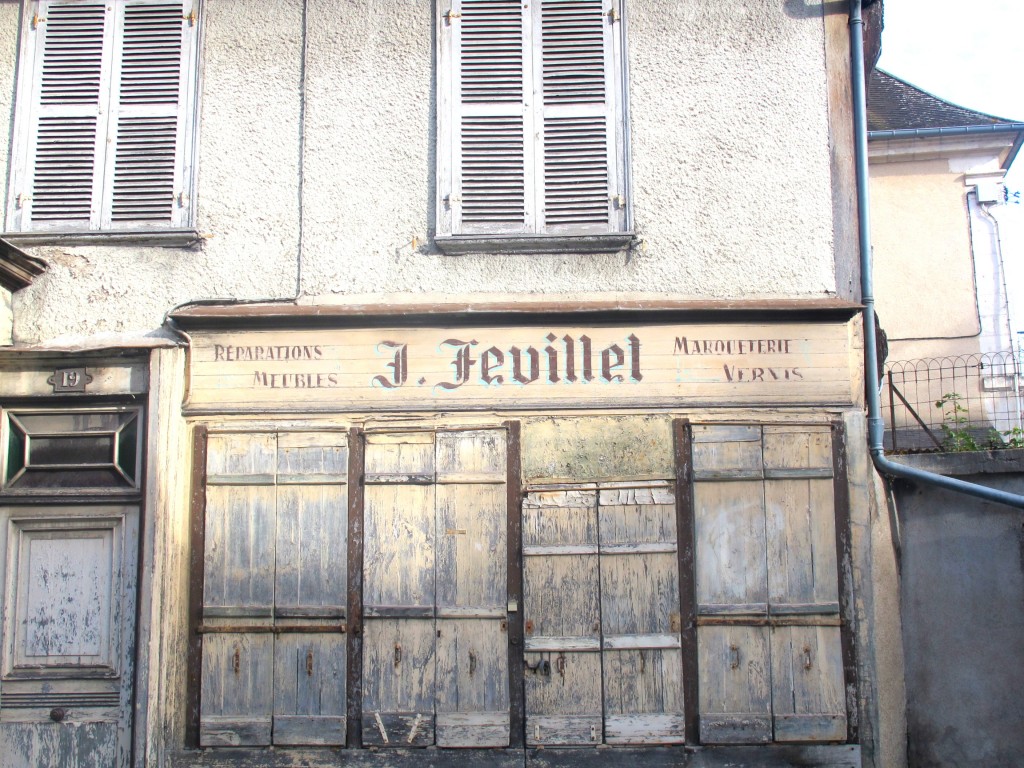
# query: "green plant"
[955,430]
[1013,438]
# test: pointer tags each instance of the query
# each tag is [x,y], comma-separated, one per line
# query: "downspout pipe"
[876,425]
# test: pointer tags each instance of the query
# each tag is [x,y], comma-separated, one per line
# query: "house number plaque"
[69,380]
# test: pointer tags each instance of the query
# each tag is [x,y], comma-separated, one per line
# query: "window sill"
[463,244]
[168,238]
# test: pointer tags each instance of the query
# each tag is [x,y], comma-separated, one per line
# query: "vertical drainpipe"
[876,425]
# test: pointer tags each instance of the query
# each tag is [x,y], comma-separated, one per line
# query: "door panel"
[69,592]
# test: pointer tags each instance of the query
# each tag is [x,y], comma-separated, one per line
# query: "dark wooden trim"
[844,559]
[766,756]
[354,682]
[516,683]
[17,268]
[240,315]
[197,551]
[683,451]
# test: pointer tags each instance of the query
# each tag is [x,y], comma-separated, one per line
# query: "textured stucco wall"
[730,164]
[924,273]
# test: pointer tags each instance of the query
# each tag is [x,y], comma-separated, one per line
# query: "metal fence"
[952,403]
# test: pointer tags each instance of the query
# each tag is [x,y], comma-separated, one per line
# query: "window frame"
[181,229]
[619,234]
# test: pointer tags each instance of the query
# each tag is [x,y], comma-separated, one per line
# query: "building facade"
[416,382]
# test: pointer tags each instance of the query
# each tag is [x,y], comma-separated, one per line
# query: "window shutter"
[70,78]
[144,171]
[530,134]
[490,85]
[731,581]
[578,128]
[808,698]
[238,589]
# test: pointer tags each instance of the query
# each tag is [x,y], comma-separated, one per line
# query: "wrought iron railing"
[948,402]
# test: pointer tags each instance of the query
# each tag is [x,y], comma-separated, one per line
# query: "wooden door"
[69,592]
[435,650]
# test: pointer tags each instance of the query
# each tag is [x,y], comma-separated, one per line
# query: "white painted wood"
[68,607]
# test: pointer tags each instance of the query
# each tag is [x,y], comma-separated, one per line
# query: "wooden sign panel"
[523,366]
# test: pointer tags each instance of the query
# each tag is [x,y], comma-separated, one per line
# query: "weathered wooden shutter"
[604,659]
[311,589]
[435,594]
[144,172]
[398,590]
[238,590]
[732,584]
[643,678]
[576,89]
[531,118]
[808,698]
[767,585]
[562,607]
[274,650]
[472,609]
[67,132]
[107,115]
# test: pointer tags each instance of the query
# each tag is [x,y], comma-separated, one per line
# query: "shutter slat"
[493,175]
[73,54]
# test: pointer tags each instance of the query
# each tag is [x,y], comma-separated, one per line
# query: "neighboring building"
[947,290]
[468,374]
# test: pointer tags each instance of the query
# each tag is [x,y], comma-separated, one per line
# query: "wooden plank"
[472,680]
[312,546]
[398,682]
[643,696]
[735,685]
[238,566]
[237,681]
[471,557]
[556,644]
[398,560]
[844,562]
[626,642]
[240,455]
[398,729]
[514,593]
[471,455]
[354,681]
[400,454]
[685,532]
[197,555]
[808,696]
[309,689]
[730,543]
[563,705]
[312,457]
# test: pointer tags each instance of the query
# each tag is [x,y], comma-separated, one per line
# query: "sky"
[972,54]
[969,53]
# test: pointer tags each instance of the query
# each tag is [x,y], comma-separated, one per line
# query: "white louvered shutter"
[104,129]
[531,130]
[490,118]
[144,167]
[578,129]
[70,78]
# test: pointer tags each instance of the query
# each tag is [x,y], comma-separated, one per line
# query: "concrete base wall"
[963,614]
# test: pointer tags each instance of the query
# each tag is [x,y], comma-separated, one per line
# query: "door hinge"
[190,18]
[451,200]
[619,201]
[613,14]
[181,199]
[450,14]
[22,199]
[37,20]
